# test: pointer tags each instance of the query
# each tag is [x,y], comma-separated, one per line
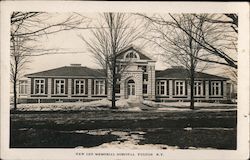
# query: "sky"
[70,41]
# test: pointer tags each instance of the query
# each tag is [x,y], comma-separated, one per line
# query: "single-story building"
[139,80]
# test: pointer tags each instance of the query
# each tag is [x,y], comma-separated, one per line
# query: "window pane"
[42,89]
[131,55]
[177,90]
[77,89]
[181,90]
[97,88]
[158,89]
[117,88]
[82,89]
[25,89]
[129,90]
[101,89]
[133,89]
[145,88]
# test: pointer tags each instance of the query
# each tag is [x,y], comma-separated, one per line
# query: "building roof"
[69,71]
[80,71]
[142,56]
[181,73]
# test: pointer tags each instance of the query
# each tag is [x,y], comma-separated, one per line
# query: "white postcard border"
[185,7]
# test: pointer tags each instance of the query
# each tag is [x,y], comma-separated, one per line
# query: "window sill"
[216,96]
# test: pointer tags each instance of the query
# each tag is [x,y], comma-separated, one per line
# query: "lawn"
[185,129]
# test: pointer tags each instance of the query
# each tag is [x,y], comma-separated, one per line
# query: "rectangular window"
[59,86]
[198,88]
[145,88]
[23,85]
[161,88]
[39,86]
[145,77]
[117,88]
[216,88]
[99,87]
[79,86]
[179,88]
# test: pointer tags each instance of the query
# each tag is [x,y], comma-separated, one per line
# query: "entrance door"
[131,89]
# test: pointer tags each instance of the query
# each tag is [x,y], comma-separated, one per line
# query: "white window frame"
[158,87]
[24,84]
[134,57]
[213,91]
[196,88]
[99,80]
[183,89]
[34,89]
[64,89]
[84,85]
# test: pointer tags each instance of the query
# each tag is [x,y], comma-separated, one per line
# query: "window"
[79,86]
[59,86]
[179,88]
[131,55]
[131,88]
[23,85]
[117,88]
[144,68]
[197,88]
[215,88]
[145,88]
[145,77]
[99,87]
[161,87]
[39,86]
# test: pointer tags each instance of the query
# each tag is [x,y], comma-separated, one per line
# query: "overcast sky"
[70,41]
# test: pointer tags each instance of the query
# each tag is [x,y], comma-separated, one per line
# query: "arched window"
[131,55]
[131,81]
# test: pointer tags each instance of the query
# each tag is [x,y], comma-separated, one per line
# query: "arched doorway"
[131,88]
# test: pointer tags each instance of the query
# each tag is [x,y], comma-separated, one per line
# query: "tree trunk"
[192,89]
[113,94]
[15,94]
[113,84]
[192,75]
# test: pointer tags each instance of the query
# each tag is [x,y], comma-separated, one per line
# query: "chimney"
[75,65]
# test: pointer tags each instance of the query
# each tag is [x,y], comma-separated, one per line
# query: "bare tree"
[179,48]
[227,18]
[223,37]
[116,32]
[18,60]
[27,28]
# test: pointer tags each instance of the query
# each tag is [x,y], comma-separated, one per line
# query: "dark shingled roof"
[68,71]
[181,73]
[142,56]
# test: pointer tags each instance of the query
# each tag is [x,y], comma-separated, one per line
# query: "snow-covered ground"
[103,104]
[123,105]
[185,104]
[128,140]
